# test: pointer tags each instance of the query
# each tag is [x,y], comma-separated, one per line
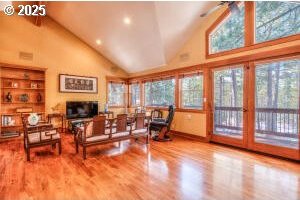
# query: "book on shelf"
[7,121]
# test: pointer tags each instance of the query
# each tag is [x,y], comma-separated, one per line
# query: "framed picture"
[78,84]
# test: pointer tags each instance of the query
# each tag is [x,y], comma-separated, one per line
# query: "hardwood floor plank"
[181,169]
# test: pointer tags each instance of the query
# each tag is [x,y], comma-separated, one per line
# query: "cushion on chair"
[128,127]
[89,130]
[97,138]
[120,134]
[139,131]
[107,131]
[35,137]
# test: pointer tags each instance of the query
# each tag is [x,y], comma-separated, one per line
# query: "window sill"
[116,106]
[190,110]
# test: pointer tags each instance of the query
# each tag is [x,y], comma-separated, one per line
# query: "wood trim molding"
[190,136]
[116,79]
[17,66]
[264,55]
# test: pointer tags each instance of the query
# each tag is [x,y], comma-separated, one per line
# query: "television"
[81,109]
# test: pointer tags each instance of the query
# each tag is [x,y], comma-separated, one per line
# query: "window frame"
[110,80]
[130,94]
[156,80]
[249,39]
[181,77]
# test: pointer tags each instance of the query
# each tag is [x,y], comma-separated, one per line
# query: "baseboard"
[190,136]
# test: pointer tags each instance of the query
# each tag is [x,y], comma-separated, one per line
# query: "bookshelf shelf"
[19,80]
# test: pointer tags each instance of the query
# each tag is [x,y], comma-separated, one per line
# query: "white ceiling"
[156,33]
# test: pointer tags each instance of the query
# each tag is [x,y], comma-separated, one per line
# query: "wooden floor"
[182,169]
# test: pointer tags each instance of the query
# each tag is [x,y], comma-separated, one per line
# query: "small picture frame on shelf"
[34,85]
[13,84]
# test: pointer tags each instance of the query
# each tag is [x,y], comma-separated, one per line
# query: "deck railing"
[269,121]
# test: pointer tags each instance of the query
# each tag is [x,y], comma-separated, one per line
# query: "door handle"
[245,110]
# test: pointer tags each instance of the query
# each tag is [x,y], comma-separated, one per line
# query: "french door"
[229,106]
[256,106]
[275,109]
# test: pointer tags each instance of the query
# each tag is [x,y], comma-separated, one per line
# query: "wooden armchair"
[95,132]
[140,127]
[41,137]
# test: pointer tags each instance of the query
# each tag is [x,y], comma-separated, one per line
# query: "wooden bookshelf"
[18,81]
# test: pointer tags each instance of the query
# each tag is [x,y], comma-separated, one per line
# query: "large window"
[135,94]
[277,103]
[160,93]
[230,33]
[276,20]
[192,91]
[257,24]
[116,94]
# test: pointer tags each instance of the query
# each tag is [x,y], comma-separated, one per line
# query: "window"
[135,94]
[276,20]
[160,93]
[192,91]
[277,103]
[230,33]
[116,94]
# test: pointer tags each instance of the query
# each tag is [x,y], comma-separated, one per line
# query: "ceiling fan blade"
[233,7]
[212,10]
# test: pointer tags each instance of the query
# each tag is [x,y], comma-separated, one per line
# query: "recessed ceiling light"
[98,42]
[127,20]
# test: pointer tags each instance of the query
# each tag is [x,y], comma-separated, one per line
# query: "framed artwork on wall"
[77,84]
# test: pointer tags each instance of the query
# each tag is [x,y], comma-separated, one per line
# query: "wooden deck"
[182,169]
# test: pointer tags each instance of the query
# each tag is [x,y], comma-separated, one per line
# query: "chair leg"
[59,147]
[147,139]
[77,146]
[28,154]
[84,152]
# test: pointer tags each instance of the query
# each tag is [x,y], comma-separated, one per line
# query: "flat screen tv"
[81,109]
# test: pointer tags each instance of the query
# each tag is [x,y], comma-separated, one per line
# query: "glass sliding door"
[228,98]
[277,86]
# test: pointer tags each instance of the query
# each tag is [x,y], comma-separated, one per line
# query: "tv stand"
[75,123]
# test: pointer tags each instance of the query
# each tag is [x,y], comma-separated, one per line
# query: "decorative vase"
[33,119]
[9,97]
[24,97]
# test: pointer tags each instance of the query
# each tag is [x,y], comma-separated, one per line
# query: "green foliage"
[135,94]
[160,93]
[116,94]
[230,34]
[276,19]
[192,92]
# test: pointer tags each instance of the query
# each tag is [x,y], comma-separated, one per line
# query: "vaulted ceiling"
[153,34]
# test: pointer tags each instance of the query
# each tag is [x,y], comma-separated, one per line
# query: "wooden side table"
[59,116]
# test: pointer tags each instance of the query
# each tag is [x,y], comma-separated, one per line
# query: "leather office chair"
[163,126]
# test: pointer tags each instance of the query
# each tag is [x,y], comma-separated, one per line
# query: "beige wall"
[55,48]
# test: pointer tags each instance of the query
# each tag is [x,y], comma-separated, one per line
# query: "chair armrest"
[48,132]
[159,120]
[159,123]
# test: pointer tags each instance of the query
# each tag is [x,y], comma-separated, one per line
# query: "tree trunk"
[270,102]
[234,91]
[275,103]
